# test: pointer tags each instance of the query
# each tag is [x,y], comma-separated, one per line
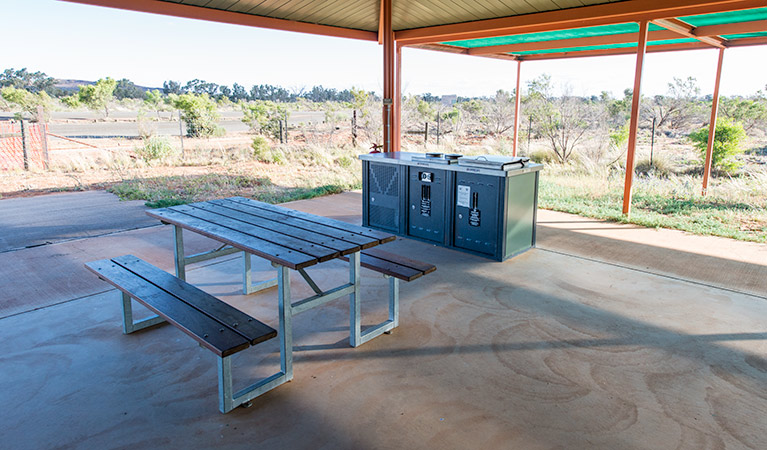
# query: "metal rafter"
[685,29]
[605,14]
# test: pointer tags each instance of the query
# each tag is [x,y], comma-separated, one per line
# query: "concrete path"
[47,219]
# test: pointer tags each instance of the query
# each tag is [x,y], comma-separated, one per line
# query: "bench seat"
[216,325]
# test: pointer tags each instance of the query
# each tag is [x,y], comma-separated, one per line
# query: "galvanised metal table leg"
[227,398]
[178,252]
[286,322]
[355,306]
[247,280]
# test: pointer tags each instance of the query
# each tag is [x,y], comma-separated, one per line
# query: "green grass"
[734,208]
[161,192]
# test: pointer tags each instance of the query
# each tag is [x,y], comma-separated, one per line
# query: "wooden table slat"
[326,241]
[313,249]
[251,329]
[382,237]
[259,247]
[362,241]
[209,332]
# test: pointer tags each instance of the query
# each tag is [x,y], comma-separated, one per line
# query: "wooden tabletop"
[281,235]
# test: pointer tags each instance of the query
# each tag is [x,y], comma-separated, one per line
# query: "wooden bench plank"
[309,248]
[362,241]
[382,237]
[401,260]
[265,249]
[253,330]
[340,246]
[210,333]
[387,267]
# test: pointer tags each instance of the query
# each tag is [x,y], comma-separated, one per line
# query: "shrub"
[729,136]
[659,167]
[155,148]
[200,114]
[542,156]
[261,148]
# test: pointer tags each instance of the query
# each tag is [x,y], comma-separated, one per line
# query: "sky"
[67,40]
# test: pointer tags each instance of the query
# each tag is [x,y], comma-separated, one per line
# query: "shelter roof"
[509,29]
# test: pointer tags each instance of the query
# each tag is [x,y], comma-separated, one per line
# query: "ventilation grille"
[383,217]
[383,179]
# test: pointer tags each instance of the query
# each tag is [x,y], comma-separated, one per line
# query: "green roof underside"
[603,47]
[608,30]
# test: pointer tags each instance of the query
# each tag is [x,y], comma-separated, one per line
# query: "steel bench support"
[359,337]
[228,399]
[129,326]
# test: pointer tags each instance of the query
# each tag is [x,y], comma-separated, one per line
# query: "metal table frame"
[286,310]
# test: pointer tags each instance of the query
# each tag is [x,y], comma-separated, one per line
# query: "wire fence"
[23,145]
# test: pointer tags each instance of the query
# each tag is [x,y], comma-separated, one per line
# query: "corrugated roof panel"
[603,30]
[605,47]
[746,15]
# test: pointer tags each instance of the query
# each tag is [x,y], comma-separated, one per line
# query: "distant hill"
[72,85]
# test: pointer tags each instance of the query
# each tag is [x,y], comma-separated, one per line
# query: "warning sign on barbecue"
[463,196]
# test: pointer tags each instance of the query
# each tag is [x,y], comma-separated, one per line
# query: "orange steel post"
[516,110]
[389,76]
[712,123]
[398,100]
[634,123]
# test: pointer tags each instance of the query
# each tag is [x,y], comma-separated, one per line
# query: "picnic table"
[287,238]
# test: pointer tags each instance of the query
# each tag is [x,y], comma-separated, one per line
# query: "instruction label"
[463,196]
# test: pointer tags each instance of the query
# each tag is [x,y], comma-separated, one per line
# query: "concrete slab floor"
[546,350]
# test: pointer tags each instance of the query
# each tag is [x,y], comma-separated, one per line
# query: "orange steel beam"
[462,51]
[622,38]
[398,101]
[605,14]
[389,75]
[230,17]
[634,122]
[755,26]
[712,123]
[516,110]
[685,29]
[381,24]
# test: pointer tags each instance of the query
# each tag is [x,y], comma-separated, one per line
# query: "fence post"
[425,132]
[180,133]
[354,128]
[652,140]
[24,145]
[43,128]
[286,127]
[438,126]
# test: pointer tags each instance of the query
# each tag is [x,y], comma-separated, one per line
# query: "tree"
[677,109]
[728,137]
[499,112]
[263,116]
[200,114]
[33,82]
[752,113]
[27,102]
[153,100]
[238,93]
[127,89]
[99,95]
[563,121]
[172,87]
